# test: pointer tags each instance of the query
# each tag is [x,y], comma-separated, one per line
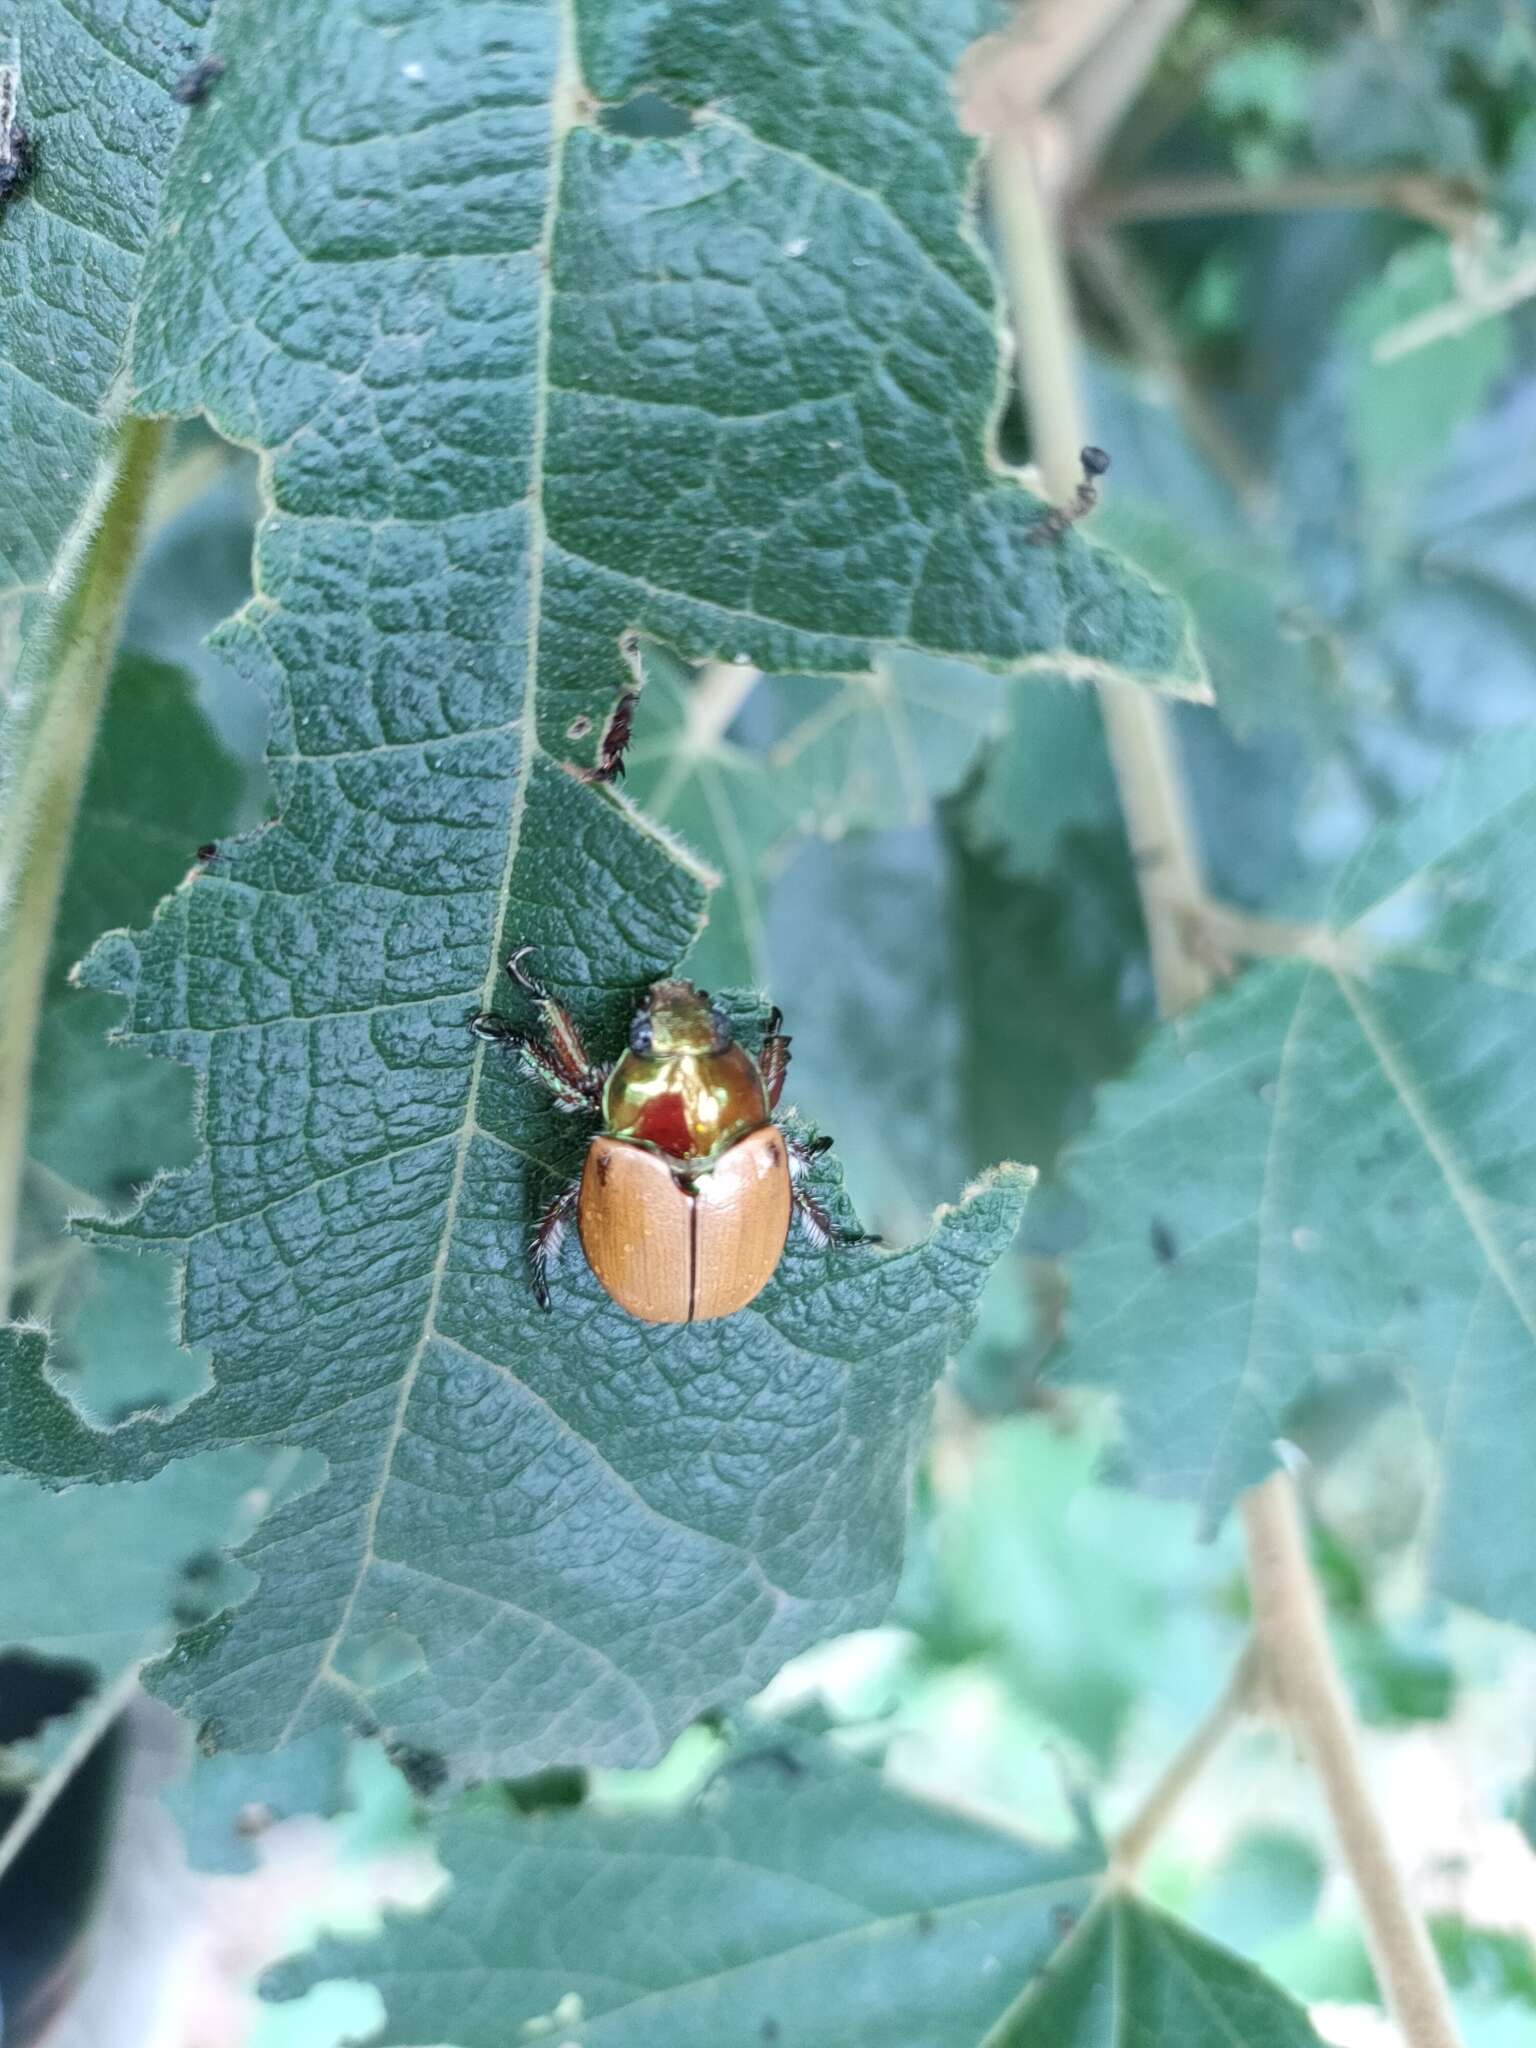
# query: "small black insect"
[194,86]
[1095,463]
[207,851]
[1165,1247]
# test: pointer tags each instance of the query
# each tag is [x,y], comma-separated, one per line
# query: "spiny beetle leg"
[614,742]
[562,1060]
[819,1226]
[773,1057]
[548,1236]
[494,1030]
[569,1095]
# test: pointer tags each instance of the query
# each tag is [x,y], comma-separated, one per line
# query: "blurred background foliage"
[1306,268]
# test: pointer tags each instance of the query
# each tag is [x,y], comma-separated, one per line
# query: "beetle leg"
[773,1057]
[548,1236]
[819,1227]
[560,1059]
[615,740]
[570,1093]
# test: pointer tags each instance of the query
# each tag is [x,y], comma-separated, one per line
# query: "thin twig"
[1447,203]
[1094,100]
[1130,1846]
[1046,354]
[1300,1668]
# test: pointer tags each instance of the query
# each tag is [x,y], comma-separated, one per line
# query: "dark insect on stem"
[1055,523]
[194,86]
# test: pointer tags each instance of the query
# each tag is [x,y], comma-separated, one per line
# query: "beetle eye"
[641,1037]
[722,1024]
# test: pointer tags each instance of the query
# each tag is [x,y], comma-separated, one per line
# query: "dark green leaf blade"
[1131,1977]
[1324,1172]
[799,1901]
[94,98]
[500,435]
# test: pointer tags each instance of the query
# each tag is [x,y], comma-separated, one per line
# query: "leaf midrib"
[564,87]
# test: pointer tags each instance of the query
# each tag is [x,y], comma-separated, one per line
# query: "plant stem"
[1441,202]
[1135,720]
[47,749]
[1045,340]
[1094,99]
[1130,1846]
[1299,1666]
[1289,1617]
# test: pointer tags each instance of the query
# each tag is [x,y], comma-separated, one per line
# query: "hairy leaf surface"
[1326,1172]
[524,387]
[799,1900]
[95,100]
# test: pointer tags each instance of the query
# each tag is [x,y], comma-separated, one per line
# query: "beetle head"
[675,1017]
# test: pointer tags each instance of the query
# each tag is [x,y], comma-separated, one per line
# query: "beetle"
[685,1200]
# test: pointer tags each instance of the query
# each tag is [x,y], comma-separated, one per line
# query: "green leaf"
[102,1119]
[1130,1977]
[1407,391]
[525,386]
[799,1900]
[110,1574]
[225,1801]
[877,1044]
[1383,100]
[73,245]
[1085,1599]
[159,786]
[1048,774]
[747,769]
[1365,1207]
[1053,987]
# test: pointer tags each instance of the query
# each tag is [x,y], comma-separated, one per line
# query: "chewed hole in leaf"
[647,117]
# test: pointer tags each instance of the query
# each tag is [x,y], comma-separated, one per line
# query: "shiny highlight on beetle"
[683,1087]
